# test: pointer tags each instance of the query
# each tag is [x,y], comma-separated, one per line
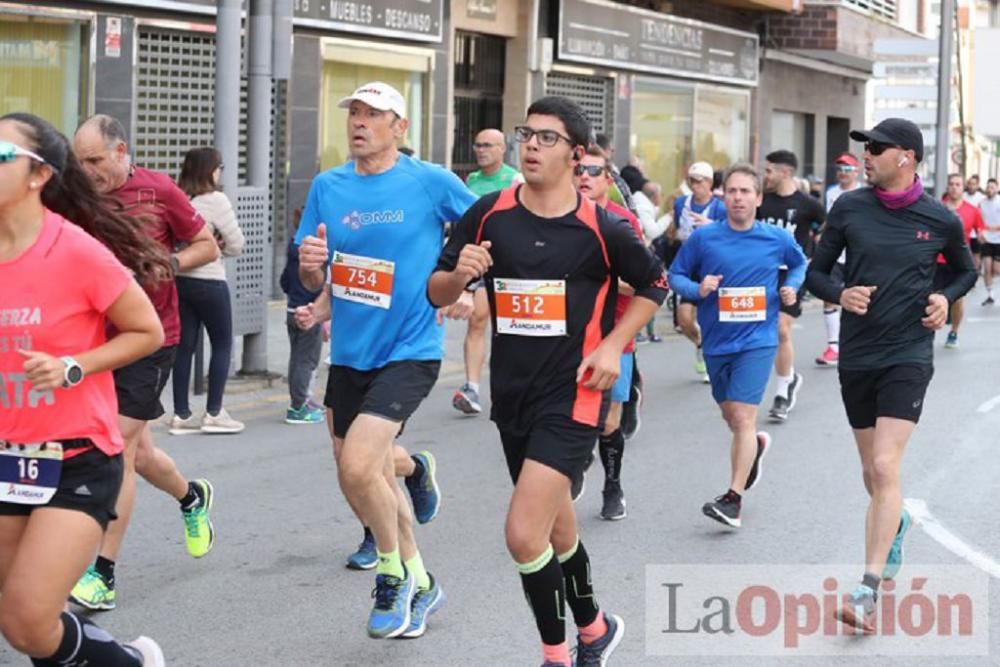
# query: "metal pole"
[942,143]
[259,142]
[227,91]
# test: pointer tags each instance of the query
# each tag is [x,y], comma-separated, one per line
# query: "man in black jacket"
[893,233]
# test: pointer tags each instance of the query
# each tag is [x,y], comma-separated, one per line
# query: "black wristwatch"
[73,374]
[473,286]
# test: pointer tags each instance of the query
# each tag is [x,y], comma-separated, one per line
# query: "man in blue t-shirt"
[738,300]
[692,211]
[377,222]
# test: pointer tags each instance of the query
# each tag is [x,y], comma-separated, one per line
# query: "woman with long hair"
[203,296]
[61,290]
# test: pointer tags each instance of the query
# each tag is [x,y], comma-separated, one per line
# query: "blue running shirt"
[743,259]
[395,217]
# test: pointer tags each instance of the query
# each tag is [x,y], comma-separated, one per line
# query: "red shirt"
[972,219]
[170,220]
[53,299]
[624,301]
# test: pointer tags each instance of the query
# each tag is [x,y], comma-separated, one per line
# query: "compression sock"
[580,596]
[84,643]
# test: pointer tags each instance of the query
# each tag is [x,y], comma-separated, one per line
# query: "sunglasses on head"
[877,147]
[846,168]
[592,170]
[11,151]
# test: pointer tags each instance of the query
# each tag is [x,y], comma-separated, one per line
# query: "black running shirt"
[534,376]
[895,250]
[800,214]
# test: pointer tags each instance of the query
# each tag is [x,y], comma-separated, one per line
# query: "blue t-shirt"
[743,259]
[397,216]
[714,210]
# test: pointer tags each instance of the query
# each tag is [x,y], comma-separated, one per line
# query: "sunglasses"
[591,170]
[547,138]
[877,147]
[848,169]
[10,152]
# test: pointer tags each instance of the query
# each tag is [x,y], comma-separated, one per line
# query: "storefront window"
[40,70]
[721,128]
[662,130]
[789,131]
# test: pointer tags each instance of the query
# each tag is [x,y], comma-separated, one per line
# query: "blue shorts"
[742,376]
[623,386]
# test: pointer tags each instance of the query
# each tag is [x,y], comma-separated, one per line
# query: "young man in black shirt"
[551,260]
[893,233]
[802,216]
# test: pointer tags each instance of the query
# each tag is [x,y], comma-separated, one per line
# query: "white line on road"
[986,406]
[949,540]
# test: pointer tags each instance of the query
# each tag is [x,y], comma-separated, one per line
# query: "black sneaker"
[724,509]
[988,302]
[578,484]
[630,415]
[793,390]
[779,410]
[596,653]
[613,508]
[763,446]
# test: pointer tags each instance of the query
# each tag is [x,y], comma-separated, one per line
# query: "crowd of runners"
[558,268]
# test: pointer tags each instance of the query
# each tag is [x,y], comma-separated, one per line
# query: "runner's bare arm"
[202,250]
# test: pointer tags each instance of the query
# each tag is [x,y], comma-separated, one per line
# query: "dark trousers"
[203,302]
[303,358]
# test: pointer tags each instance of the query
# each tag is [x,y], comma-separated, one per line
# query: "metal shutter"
[595,94]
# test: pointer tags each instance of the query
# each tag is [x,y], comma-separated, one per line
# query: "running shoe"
[92,592]
[184,426]
[597,652]
[894,560]
[793,390]
[578,485]
[198,530]
[613,508]
[779,409]
[149,652]
[390,616]
[549,663]
[365,557]
[424,490]
[653,338]
[952,341]
[763,447]
[699,363]
[858,611]
[466,400]
[989,301]
[425,603]
[631,421]
[221,423]
[829,357]
[641,339]
[724,509]
[307,414]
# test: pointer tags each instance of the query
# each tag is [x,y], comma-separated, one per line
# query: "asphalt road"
[275,591]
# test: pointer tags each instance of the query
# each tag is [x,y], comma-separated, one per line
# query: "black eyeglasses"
[877,147]
[548,138]
[592,170]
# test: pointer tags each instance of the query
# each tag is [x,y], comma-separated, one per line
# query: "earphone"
[902,161]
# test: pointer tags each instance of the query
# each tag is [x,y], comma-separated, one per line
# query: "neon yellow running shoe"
[92,592]
[198,530]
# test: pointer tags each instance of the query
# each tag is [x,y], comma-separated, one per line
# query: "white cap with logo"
[377,95]
[702,171]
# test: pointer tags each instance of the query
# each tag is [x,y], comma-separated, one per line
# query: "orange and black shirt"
[586,251]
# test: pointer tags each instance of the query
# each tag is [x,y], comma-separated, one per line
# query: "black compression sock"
[191,500]
[546,592]
[579,588]
[611,447]
[106,568]
[85,643]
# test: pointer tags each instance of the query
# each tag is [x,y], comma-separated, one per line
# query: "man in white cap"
[377,222]
[692,211]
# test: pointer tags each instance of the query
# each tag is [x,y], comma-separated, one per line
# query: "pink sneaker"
[829,357]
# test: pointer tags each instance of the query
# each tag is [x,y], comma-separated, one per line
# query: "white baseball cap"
[702,171]
[377,95]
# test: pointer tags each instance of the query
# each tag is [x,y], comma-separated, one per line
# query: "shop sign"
[612,35]
[418,20]
[481,9]
[112,37]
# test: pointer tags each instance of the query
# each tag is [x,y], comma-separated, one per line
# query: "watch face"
[74,374]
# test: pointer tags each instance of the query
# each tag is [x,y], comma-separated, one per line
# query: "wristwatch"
[175,264]
[73,375]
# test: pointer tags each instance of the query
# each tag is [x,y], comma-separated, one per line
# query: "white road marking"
[922,515]
[986,406]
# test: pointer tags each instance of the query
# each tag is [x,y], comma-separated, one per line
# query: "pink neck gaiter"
[896,200]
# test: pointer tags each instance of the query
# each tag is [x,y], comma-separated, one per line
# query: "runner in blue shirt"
[378,223]
[738,301]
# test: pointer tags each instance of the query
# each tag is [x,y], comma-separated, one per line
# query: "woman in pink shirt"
[61,289]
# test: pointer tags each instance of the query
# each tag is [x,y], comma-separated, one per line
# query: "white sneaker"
[221,423]
[179,426]
[152,654]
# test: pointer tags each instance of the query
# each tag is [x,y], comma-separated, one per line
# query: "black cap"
[896,131]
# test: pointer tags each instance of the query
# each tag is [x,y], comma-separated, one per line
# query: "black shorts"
[89,483]
[897,391]
[555,441]
[795,310]
[393,392]
[975,246]
[139,385]
[990,250]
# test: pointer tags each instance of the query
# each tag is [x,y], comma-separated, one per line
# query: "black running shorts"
[89,483]
[139,385]
[393,392]
[897,391]
[555,441]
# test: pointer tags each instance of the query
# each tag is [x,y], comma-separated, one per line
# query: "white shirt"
[990,208]
[976,198]
[833,193]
